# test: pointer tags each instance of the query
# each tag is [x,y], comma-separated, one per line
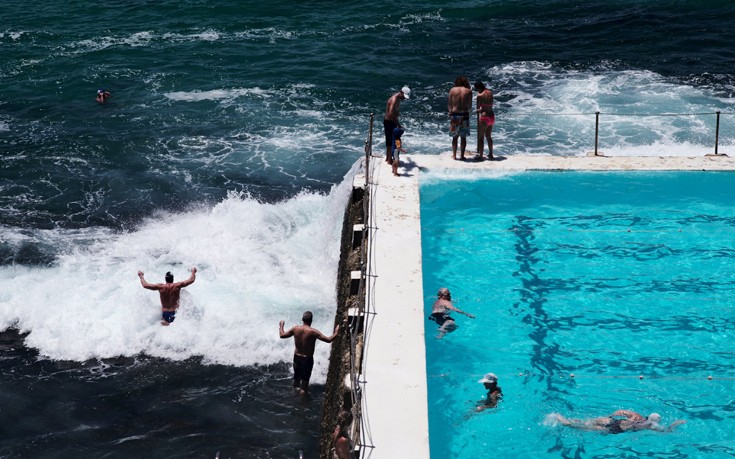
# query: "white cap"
[488,378]
[406,91]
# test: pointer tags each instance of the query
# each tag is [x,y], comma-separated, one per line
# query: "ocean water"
[225,145]
[592,292]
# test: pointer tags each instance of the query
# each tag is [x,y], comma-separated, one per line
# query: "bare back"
[460,99]
[305,338]
[170,295]
[485,102]
[170,292]
[392,111]
[441,305]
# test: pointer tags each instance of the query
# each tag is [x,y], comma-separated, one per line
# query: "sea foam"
[258,263]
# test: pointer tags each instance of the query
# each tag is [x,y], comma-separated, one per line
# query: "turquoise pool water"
[625,280]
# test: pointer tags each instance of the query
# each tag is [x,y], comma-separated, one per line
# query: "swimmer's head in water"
[444,293]
[489,378]
[654,417]
[169,277]
[307,317]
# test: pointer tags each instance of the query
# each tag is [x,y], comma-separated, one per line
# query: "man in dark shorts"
[440,312]
[391,122]
[170,293]
[303,357]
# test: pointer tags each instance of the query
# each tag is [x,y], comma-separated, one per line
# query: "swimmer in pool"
[494,392]
[440,312]
[618,422]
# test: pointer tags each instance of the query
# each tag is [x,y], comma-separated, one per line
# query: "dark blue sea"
[228,143]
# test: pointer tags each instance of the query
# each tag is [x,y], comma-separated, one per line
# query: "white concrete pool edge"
[395,402]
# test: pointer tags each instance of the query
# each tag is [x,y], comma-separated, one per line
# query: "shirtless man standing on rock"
[303,357]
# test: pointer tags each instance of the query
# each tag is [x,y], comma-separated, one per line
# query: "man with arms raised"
[170,293]
[303,357]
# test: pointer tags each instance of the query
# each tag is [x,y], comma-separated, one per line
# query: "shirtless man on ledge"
[170,293]
[303,357]
[459,104]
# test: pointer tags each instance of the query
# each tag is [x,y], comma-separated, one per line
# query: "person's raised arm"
[328,339]
[282,333]
[145,284]
[191,278]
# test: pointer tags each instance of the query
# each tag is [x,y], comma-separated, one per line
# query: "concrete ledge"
[395,392]
[544,162]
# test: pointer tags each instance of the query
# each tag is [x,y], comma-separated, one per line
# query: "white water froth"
[258,264]
[542,109]
[216,94]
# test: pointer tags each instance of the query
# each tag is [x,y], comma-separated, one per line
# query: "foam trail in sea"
[258,263]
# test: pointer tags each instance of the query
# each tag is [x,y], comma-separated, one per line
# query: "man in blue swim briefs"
[170,293]
[303,357]
[391,122]
[459,104]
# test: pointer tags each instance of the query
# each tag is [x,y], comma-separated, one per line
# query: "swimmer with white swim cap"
[618,422]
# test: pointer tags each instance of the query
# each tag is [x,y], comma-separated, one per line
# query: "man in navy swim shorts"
[170,293]
[303,357]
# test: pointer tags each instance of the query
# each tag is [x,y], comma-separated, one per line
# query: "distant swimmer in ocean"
[486,119]
[170,293]
[618,422]
[303,357]
[440,312]
[103,95]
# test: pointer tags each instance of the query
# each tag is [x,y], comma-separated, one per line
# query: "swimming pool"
[624,280]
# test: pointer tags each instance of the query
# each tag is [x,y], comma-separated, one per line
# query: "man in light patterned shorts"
[459,104]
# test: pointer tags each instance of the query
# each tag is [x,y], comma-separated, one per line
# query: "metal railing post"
[717,131]
[597,129]
[369,150]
